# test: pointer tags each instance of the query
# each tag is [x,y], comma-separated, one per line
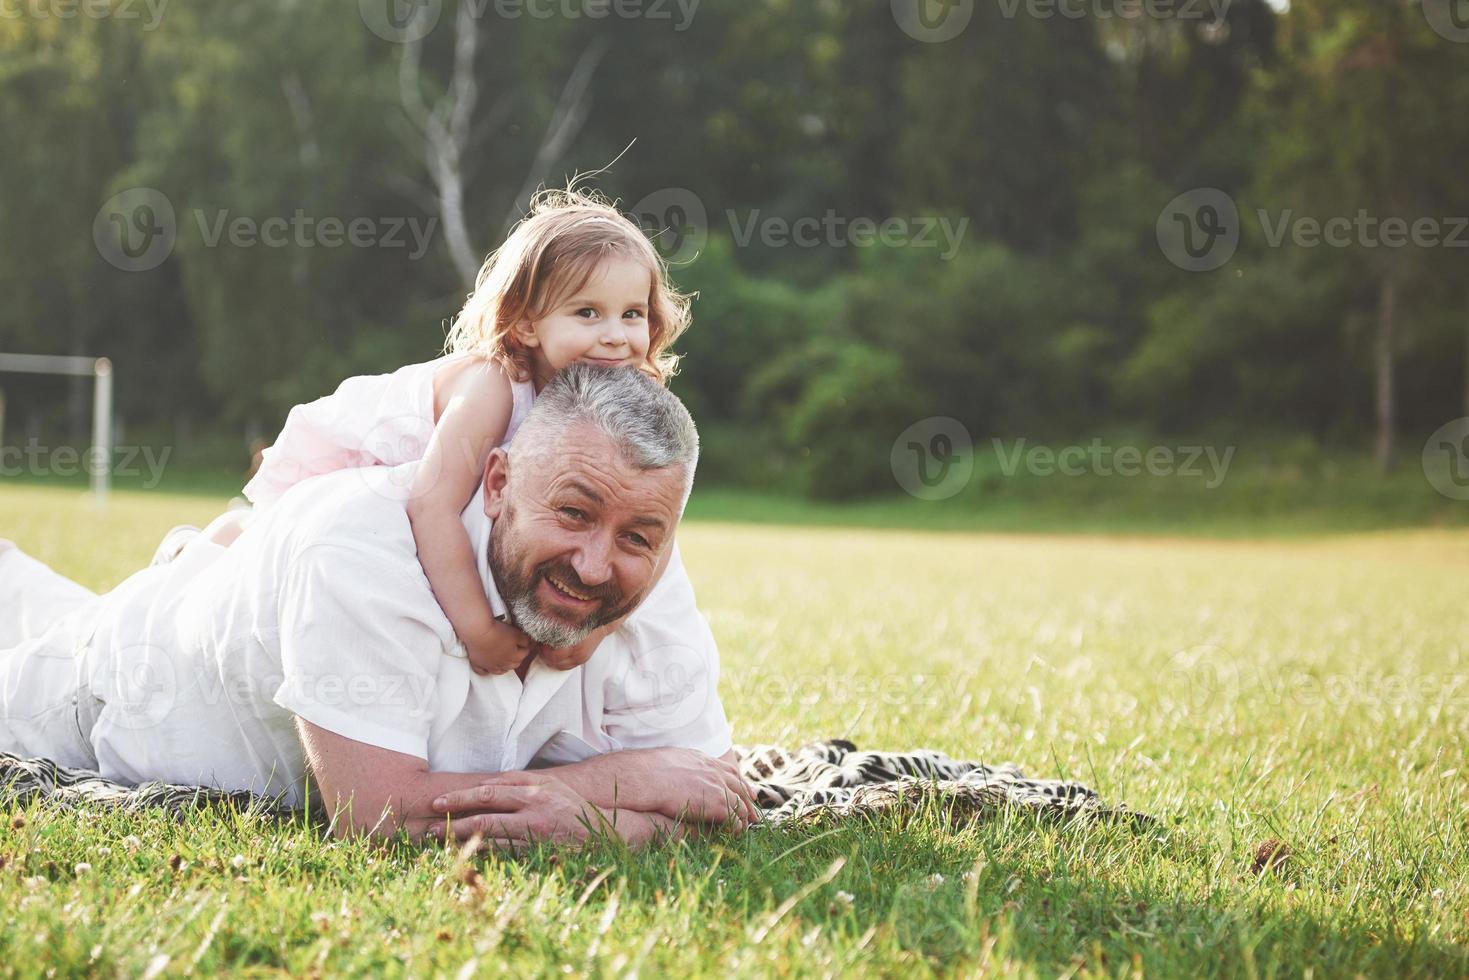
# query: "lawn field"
[1312,691]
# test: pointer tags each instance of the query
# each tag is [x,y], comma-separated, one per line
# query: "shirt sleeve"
[664,690]
[359,657]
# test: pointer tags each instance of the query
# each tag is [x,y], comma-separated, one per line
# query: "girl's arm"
[472,404]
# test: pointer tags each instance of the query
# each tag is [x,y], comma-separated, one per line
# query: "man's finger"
[744,797]
[488,825]
[497,796]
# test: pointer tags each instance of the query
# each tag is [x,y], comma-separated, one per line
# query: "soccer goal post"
[99,369]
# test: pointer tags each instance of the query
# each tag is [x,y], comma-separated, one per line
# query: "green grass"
[1311,690]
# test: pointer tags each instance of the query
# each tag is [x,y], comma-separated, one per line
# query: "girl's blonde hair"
[552,253]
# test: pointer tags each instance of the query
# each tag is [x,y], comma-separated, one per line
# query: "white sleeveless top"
[370,420]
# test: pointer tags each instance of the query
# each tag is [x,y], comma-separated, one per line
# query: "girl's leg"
[227,526]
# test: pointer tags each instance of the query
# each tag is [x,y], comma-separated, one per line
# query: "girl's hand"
[499,650]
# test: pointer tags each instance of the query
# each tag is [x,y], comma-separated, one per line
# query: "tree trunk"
[1387,303]
[1466,352]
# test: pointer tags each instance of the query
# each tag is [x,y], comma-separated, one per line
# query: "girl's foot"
[173,542]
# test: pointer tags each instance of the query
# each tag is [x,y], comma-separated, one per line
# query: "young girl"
[575,281]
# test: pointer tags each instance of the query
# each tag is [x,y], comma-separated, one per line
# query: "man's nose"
[593,560]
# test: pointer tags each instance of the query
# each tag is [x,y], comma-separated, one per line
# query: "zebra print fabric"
[832,780]
[821,781]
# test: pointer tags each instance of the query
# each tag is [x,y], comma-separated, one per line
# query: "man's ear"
[496,481]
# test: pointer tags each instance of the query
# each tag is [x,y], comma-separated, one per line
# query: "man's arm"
[674,784]
[368,790]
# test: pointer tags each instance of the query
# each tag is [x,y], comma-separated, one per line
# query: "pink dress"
[370,420]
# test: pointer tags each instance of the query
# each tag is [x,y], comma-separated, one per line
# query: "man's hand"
[680,784]
[517,807]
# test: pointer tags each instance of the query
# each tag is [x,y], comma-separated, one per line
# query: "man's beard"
[518,587]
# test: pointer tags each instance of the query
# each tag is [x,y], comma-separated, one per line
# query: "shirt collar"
[478,524]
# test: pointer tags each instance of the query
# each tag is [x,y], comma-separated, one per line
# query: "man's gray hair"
[646,421]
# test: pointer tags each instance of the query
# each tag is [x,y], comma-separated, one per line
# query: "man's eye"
[574,513]
[638,540]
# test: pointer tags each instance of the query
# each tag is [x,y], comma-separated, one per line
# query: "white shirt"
[322,610]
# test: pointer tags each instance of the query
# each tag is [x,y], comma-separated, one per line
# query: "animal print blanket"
[819,782]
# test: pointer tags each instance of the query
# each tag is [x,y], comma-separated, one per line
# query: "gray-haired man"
[314,643]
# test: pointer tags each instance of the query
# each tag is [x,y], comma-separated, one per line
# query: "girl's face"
[604,322]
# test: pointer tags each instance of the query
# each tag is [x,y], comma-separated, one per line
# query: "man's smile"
[566,590]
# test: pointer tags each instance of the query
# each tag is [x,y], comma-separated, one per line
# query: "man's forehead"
[583,460]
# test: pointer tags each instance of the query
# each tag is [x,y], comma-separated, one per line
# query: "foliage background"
[1059,139]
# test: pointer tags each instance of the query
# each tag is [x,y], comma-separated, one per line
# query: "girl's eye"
[634,314]
[585,312]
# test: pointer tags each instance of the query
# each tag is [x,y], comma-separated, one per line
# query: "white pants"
[33,597]
[45,624]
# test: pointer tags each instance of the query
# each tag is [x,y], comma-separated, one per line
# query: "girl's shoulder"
[481,380]
[471,375]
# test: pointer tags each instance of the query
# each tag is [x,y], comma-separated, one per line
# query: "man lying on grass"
[312,650]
